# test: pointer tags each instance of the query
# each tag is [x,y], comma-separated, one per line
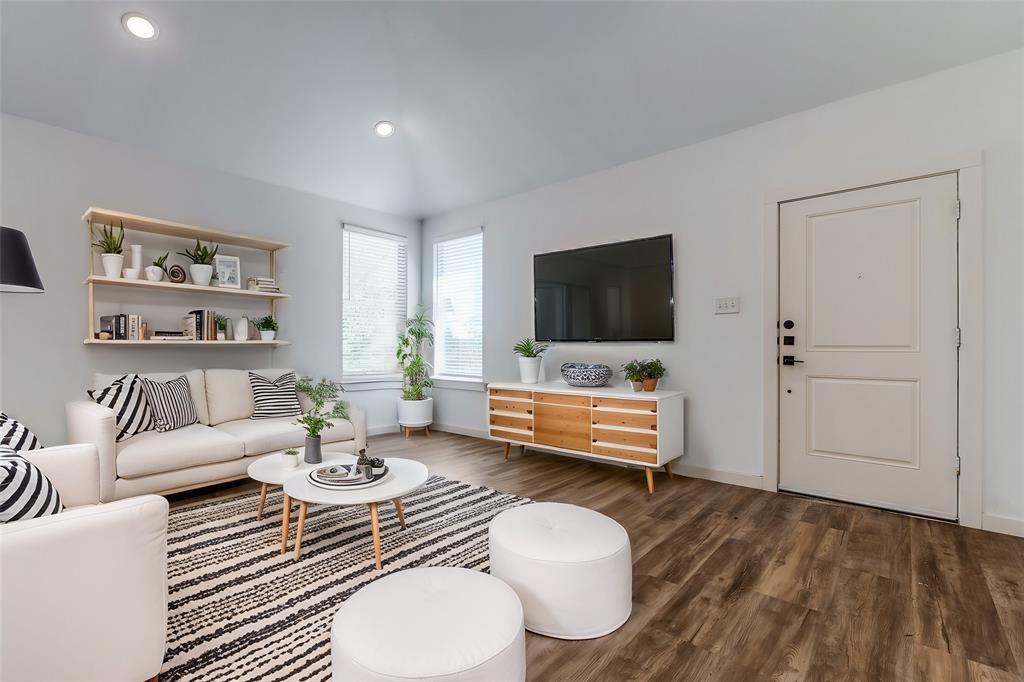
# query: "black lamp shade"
[17,269]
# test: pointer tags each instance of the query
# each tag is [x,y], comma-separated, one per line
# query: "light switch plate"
[727,306]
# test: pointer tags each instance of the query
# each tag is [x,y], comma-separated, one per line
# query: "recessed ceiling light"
[139,26]
[384,128]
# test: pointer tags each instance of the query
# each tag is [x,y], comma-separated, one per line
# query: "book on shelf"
[201,324]
[268,284]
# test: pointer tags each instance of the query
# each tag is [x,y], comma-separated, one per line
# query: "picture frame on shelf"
[229,271]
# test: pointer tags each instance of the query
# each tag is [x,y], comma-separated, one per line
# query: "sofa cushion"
[171,403]
[153,452]
[274,398]
[196,386]
[229,395]
[17,436]
[128,401]
[261,436]
[25,491]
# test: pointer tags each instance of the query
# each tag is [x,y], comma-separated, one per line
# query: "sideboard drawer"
[635,438]
[523,424]
[562,399]
[511,406]
[631,419]
[626,404]
[509,393]
[512,435]
[623,453]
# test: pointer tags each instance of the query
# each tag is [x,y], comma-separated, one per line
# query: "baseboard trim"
[1002,524]
[730,477]
[382,430]
[461,430]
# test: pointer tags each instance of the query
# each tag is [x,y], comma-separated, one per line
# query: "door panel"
[868,279]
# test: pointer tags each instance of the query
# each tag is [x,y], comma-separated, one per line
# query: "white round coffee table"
[269,470]
[404,476]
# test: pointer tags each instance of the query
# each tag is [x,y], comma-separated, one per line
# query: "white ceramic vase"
[529,370]
[416,413]
[201,274]
[267,334]
[137,256]
[112,263]
[242,329]
[154,274]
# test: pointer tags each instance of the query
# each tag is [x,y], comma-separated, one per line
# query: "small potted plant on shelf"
[318,418]
[290,458]
[109,243]
[201,269]
[222,327]
[652,371]
[529,352]
[415,407]
[155,272]
[634,371]
[268,327]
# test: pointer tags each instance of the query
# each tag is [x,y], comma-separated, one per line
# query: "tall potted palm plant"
[415,407]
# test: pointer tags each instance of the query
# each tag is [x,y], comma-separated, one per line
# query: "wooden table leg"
[427,430]
[299,528]
[401,512]
[508,449]
[407,432]
[286,516]
[263,500]
[650,480]
[668,469]
[376,533]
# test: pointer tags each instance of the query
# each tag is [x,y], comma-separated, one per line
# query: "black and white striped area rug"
[240,610]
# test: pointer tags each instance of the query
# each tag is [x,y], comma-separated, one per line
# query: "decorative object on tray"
[202,257]
[242,329]
[109,243]
[415,408]
[634,371]
[229,271]
[653,371]
[529,352]
[290,458]
[267,326]
[317,419]
[586,374]
[155,272]
[268,284]
[344,477]
[176,274]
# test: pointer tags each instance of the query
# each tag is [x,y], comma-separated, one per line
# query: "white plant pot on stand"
[416,414]
[529,370]
[112,263]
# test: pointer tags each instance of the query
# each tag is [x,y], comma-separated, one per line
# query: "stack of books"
[124,327]
[263,284]
[200,325]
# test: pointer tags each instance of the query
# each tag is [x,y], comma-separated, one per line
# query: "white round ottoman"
[570,566]
[430,624]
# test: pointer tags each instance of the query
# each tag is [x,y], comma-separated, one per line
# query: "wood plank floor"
[737,584]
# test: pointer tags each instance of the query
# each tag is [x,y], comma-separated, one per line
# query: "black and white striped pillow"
[16,436]
[25,492]
[170,402]
[274,398]
[131,409]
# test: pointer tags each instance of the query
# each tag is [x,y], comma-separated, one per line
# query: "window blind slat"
[458,306]
[374,302]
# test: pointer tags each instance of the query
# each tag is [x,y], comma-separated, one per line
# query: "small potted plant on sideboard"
[109,243]
[634,371]
[316,420]
[201,269]
[529,352]
[415,407]
[268,327]
[653,370]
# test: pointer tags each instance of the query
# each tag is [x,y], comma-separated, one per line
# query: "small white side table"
[269,470]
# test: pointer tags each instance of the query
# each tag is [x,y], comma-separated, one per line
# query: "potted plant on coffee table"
[634,371]
[109,243]
[318,418]
[529,352]
[653,370]
[268,328]
[415,407]
[201,269]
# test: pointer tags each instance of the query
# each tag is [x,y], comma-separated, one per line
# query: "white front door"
[868,317]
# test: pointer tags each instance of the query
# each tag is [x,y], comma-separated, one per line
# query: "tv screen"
[612,292]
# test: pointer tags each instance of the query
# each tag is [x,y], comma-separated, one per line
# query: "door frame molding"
[969,267]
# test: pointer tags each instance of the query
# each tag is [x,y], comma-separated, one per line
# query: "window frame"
[456,380]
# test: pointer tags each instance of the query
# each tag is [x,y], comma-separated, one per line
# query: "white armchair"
[84,591]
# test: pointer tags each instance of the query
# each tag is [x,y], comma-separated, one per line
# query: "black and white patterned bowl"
[586,374]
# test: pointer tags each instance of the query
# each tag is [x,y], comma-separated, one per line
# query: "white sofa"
[217,449]
[84,591]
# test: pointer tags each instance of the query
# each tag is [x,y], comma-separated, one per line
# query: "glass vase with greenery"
[320,394]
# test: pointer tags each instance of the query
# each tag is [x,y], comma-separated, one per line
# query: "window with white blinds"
[458,306]
[374,302]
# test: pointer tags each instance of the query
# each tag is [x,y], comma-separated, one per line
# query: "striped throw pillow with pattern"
[275,398]
[171,403]
[131,409]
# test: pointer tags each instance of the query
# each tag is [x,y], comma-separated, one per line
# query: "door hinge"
[956,209]
[956,464]
[957,337]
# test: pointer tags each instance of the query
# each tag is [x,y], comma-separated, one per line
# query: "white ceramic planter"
[201,274]
[267,335]
[221,336]
[416,412]
[154,274]
[242,329]
[529,370]
[112,263]
[131,273]
[136,256]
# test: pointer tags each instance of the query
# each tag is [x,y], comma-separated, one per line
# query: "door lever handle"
[790,360]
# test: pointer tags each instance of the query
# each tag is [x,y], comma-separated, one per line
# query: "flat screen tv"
[611,292]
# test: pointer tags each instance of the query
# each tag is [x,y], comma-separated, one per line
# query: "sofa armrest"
[92,423]
[74,471]
[85,593]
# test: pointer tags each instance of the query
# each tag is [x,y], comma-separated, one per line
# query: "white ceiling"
[490,98]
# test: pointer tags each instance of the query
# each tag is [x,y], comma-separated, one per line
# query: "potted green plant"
[268,327]
[529,352]
[634,371]
[415,407]
[319,418]
[222,327]
[653,370]
[109,243]
[290,458]
[201,269]
[155,272]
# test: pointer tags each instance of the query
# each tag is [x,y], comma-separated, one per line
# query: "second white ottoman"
[570,566]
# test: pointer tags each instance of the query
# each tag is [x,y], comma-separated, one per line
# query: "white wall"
[50,176]
[710,196]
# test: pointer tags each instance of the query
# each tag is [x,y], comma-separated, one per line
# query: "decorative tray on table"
[344,477]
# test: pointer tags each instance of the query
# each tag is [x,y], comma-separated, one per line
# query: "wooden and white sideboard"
[609,423]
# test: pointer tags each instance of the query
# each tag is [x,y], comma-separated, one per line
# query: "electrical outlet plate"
[727,306]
